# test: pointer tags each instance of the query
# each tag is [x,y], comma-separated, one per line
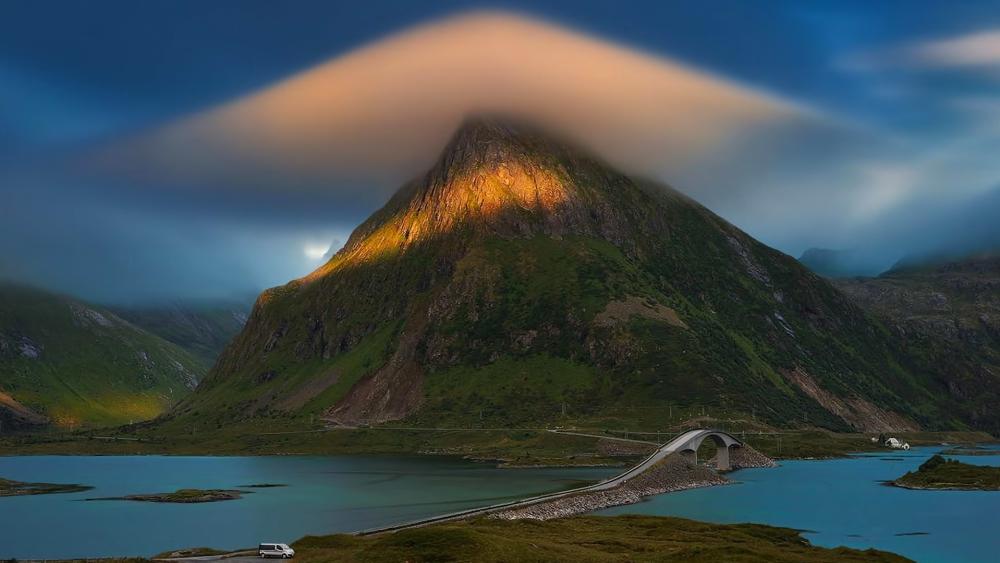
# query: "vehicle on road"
[281,550]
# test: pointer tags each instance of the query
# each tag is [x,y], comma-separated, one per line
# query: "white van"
[275,550]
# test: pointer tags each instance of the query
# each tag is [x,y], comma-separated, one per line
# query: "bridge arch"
[723,442]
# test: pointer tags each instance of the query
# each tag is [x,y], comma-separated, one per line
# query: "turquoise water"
[325,495]
[842,502]
[837,502]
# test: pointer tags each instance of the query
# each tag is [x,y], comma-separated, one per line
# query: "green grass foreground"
[581,539]
[942,473]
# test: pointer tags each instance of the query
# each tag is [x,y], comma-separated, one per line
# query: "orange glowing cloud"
[379,115]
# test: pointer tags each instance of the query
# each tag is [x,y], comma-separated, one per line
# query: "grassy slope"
[531,390]
[91,368]
[713,365]
[942,473]
[220,405]
[578,539]
[725,362]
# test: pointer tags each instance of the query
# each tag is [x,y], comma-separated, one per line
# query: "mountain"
[947,311]
[523,281]
[335,245]
[66,363]
[201,328]
[943,262]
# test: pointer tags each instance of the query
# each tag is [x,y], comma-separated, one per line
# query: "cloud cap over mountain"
[379,114]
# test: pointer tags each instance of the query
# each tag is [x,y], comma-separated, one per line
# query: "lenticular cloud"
[379,115]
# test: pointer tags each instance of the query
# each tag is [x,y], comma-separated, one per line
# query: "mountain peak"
[489,127]
[484,141]
[496,175]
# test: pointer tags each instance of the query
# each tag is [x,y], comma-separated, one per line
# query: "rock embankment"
[747,458]
[675,473]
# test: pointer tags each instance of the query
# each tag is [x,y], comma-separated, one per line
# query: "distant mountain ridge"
[523,281]
[202,328]
[941,261]
[66,363]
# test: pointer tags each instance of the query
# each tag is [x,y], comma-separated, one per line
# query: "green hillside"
[524,282]
[68,364]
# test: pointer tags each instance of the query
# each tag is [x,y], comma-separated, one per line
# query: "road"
[336,427]
[603,437]
[663,451]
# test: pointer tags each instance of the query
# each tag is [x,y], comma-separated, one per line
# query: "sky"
[195,149]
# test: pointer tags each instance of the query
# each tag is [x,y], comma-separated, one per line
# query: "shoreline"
[919,488]
[536,448]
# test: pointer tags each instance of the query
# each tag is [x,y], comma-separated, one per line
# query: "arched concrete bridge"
[690,442]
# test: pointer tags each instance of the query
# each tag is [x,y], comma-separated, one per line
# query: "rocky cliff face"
[947,314]
[522,280]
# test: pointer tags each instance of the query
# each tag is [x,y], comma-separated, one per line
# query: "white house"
[896,444]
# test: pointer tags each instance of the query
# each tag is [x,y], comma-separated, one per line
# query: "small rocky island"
[941,473]
[10,488]
[184,496]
